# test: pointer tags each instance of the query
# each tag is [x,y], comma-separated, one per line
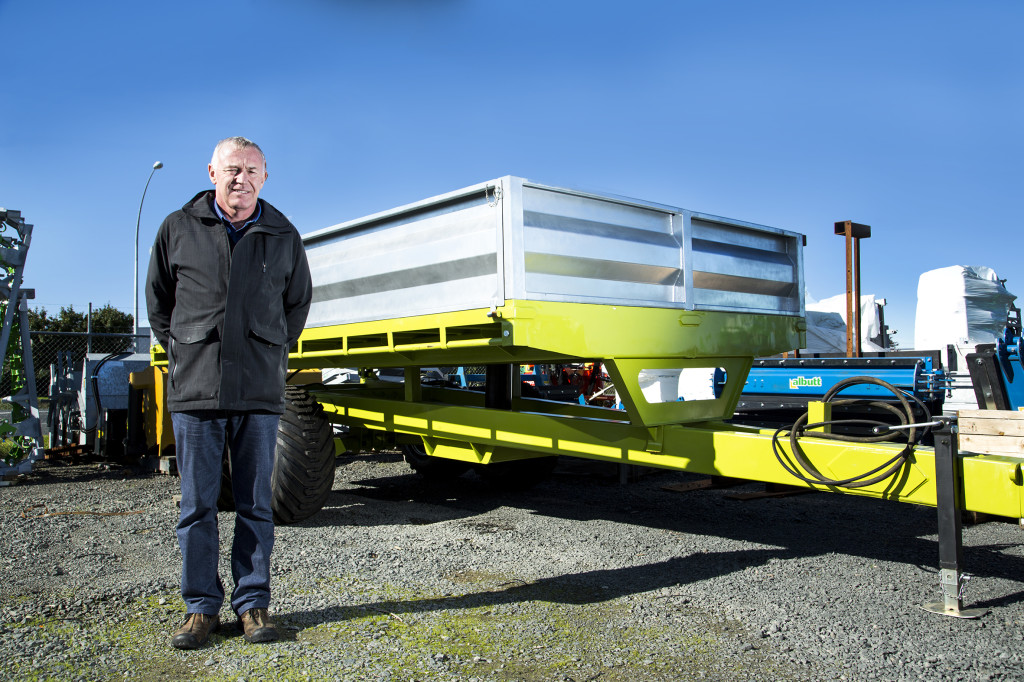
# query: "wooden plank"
[992,427]
[993,445]
[993,432]
[991,414]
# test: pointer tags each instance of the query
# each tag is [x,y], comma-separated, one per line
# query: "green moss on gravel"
[501,629]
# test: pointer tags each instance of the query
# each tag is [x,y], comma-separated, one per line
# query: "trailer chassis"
[500,425]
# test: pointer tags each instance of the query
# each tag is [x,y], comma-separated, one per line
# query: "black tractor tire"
[432,468]
[518,474]
[304,466]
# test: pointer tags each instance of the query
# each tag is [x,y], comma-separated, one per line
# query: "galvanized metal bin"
[512,239]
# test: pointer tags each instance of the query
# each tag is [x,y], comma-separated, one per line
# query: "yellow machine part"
[547,331]
[627,340]
[156,422]
[156,419]
[469,432]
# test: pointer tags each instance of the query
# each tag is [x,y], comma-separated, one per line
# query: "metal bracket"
[497,195]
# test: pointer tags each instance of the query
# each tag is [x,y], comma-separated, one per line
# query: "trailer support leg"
[949,505]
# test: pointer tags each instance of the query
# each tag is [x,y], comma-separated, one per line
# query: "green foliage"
[105,320]
[110,320]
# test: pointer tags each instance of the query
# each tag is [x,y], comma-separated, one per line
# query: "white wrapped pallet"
[960,305]
[826,325]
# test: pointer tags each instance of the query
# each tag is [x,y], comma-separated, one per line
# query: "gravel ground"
[579,578]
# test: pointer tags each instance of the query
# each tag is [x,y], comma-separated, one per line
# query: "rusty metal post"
[853,232]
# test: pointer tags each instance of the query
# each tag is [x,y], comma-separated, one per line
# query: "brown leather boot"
[194,632]
[258,627]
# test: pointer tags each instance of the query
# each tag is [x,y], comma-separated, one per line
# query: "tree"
[105,320]
[110,320]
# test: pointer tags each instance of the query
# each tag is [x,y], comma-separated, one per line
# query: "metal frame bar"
[16,298]
[533,427]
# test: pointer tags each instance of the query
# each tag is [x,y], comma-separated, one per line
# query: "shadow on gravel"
[230,630]
[1006,600]
[802,526]
[413,501]
[82,470]
[590,587]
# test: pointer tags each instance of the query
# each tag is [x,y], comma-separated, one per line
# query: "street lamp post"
[135,292]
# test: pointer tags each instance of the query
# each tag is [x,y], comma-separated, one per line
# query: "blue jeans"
[200,437]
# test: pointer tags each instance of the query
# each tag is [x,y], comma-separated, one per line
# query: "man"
[228,290]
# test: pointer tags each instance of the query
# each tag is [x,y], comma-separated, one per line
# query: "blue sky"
[903,115]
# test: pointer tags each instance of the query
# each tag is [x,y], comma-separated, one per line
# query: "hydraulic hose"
[880,473]
[94,380]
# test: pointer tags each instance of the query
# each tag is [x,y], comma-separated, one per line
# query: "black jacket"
[226,317]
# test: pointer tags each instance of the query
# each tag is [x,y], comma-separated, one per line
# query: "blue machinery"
[997,374]
[785,384]
[997,371]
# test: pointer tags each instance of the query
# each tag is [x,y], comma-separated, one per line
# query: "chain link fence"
[47,345]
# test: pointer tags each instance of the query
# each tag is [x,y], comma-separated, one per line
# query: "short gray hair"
[238,143]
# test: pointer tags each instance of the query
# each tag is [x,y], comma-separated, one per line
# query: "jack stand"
[949,505]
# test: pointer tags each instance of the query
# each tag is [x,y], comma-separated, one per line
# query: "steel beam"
[991,484]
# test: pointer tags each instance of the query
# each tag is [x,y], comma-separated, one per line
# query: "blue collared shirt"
[236,233]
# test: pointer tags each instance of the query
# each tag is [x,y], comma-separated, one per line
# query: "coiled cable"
[888,469]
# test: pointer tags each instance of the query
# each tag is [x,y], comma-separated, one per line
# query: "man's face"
[239,175]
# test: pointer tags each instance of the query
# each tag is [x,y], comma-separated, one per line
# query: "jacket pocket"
[265,363]
[194,359]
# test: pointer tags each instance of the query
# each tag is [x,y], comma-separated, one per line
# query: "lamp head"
[158,165]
